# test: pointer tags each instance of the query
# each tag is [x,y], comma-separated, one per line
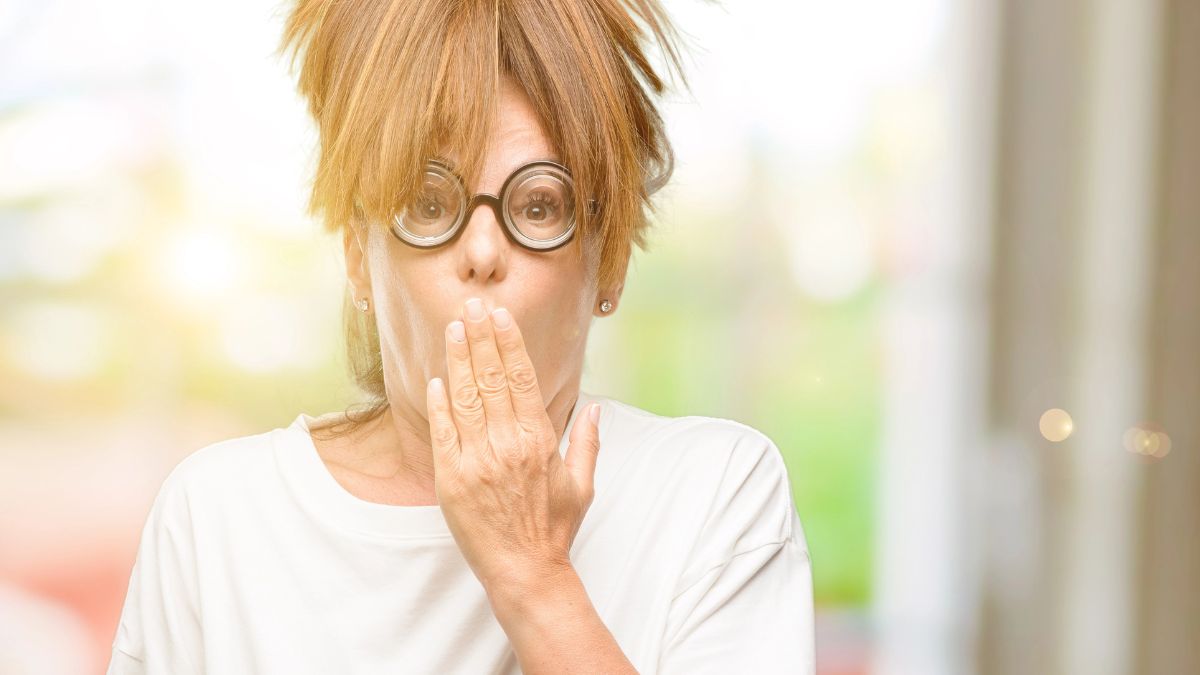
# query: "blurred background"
[943,252]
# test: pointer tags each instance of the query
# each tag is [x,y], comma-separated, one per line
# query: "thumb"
[583,448]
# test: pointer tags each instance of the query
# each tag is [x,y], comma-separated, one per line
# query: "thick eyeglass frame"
[496,202]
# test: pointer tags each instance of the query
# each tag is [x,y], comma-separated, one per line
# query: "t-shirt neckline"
[332,501]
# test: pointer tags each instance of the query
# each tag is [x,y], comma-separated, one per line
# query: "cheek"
[557,320]
[412,318]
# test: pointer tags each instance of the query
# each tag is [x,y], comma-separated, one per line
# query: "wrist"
[528,589]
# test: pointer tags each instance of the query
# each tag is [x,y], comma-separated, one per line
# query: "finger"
[526,395]
[490,378]
[443,435]
[465,404]
[583,449]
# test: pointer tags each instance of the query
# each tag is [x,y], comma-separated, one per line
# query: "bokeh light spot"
[1147,441]
[1056,425]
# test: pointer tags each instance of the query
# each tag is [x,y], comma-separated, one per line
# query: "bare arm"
[553,625]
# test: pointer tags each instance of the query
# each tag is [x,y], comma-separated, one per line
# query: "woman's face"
[415,293]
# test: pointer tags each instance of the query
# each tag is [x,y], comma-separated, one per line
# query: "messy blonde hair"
[390,83]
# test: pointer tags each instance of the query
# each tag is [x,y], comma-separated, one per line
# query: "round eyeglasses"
[536,205]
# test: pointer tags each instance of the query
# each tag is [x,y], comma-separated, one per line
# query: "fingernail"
[502,318]
[595,412]
[458,331]
[475,309]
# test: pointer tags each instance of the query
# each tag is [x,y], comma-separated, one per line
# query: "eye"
[429,208]
[540,207]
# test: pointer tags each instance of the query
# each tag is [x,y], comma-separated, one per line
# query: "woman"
[442,528]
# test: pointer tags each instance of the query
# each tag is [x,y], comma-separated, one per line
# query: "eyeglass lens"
[538,200]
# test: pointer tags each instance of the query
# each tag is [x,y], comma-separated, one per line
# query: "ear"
[611,293]
[354,241]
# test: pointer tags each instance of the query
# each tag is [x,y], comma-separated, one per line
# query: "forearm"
[554,627]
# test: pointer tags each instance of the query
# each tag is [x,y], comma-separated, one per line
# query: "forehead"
[517,136]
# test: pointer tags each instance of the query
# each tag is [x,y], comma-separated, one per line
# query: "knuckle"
[544,437]
[466,399]
[517,460]
[491,379]
[486,475]
[523,379]
[444,436]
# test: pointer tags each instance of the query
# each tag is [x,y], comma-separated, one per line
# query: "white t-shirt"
[254,559]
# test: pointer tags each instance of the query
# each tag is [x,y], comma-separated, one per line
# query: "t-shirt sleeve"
[159,628]
[745,603]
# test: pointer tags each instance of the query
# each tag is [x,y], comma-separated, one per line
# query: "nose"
[483,243]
